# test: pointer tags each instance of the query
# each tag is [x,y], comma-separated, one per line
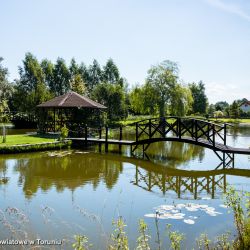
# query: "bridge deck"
[200,142]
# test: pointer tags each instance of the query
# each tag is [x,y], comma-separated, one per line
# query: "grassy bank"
[230,120]
[31,143]
[25,139]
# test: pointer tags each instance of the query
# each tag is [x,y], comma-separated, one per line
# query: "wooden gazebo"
[70,109]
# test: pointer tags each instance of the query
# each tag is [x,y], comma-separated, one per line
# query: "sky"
[209,39]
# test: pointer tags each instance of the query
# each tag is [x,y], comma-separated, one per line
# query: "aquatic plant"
[175,238]
[118,237]
[81,243]
[144,237]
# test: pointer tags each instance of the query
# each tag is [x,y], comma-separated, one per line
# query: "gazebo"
[70,109]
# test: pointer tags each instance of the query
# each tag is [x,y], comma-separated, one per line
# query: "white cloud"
[229,7]
[224,92]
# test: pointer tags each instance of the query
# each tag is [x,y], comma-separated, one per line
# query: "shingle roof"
[71,100]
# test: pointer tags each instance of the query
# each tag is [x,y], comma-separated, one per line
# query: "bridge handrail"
[177,117]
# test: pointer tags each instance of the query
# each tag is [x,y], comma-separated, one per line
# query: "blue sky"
[209,39]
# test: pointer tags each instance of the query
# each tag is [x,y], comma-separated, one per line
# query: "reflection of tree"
[69,171]
[175,153]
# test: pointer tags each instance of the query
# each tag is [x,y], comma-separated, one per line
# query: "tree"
[143,100]
[234,110]
[200,99]
[6,88]
[181,100]
[30,89]
[61,74]
[110,72]
[48,70]
[163,79]
[77,84]
[222,105]
[94,75]
[113,97]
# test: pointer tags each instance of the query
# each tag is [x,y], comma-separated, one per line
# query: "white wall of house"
[245,107]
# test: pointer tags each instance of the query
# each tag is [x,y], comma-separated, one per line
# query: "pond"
[55,195]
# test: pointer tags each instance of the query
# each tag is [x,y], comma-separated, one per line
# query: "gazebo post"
[54,120]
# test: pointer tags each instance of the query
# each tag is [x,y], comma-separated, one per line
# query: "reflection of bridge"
[184,182]
[186,130]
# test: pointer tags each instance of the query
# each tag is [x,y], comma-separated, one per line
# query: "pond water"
[57,194]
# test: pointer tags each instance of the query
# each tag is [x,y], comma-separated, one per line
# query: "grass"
[25,139]
[230,120]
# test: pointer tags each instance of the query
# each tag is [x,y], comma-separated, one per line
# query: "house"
[245,106]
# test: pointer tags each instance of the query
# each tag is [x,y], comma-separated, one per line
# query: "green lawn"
[24,139]
[230,120]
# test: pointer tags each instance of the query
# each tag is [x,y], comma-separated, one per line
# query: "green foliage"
[119,237]
[113,97]
[175,238]
[181,100]
[218,114]
[203,242]
[6,89]
[143,239]
[234,110]
[200,99]
[163,78]
[81,243]
[64,132]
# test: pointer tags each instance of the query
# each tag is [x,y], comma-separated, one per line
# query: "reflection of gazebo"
[70,109]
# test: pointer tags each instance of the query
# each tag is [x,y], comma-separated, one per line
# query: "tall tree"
[163,79]
[61,78]
[48,70]
[94,75]
[181,100]
[234,110]
[30,89]
[6,88]
[110,72]
[200,99]
[113,97]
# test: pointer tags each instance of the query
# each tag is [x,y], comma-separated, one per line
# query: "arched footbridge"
[186,130]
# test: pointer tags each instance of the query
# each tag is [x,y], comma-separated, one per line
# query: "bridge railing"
[181,127]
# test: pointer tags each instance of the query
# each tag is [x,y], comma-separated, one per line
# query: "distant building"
[245,106]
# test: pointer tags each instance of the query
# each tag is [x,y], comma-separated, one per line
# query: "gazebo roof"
[71,100]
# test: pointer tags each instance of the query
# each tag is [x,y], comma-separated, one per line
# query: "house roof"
[245,103]
[71,100]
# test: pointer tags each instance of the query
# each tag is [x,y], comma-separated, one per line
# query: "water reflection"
[66,171]
[70,170]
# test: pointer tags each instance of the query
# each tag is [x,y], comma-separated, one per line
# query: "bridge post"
[120,145]
[106,139]
[196,130]
[213,131]
[179,127]
[150,129]
[136,131]
[225,134]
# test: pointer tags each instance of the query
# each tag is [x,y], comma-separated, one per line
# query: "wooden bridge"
[186,130]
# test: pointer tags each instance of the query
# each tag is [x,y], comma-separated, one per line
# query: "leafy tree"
[6,88]
[77,84]
[234,110]
[110,72]
[48,70]
[94,75]
[163,79]
[200,99]
[30,89]
[61,78]
[222,105]
[181,100]
[143,100]
[113,97]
